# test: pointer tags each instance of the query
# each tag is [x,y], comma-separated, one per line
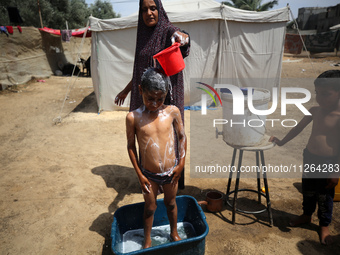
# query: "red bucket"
[171,59]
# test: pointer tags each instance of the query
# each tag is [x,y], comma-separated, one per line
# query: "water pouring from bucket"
[171,59]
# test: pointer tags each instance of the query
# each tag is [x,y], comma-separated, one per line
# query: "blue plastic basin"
[130,217]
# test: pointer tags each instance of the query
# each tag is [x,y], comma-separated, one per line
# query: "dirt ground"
[61,184]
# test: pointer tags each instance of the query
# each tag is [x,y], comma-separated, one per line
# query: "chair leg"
[258,177]
[237,185]
[231,172]
[267,191]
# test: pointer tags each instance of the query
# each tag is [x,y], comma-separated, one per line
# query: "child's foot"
[147,244]
[302,219]
[325,236]
[175,237]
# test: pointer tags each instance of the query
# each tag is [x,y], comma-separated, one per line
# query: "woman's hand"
[120,98]
[180,37]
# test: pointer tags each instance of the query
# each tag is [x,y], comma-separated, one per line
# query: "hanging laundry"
[66,35]
[10,29]
[19,28]
[14,15]
[3,30]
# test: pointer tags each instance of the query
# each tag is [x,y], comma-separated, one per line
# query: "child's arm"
[333,179]
[131,146]
[294,131]
[182,145]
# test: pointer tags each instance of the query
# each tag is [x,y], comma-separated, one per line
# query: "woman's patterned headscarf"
[150,41]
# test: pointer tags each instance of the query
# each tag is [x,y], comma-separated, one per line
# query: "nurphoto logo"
[238,99]
[204,97]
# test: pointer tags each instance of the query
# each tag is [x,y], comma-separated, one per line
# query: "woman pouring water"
[155,33]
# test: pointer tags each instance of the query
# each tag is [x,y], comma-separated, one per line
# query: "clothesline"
[9,30]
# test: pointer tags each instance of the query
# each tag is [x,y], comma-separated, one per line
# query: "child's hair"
[154,79]
[324,79]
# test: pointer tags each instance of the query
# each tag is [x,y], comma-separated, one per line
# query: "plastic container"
[171,59]
[130,217]
[247,129]
[213,201]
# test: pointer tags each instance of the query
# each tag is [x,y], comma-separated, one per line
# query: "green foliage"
[79,13]
[103,10]
[251,5]
[55,13]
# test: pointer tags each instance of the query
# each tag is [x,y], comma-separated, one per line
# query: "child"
[322,153]
[153,124]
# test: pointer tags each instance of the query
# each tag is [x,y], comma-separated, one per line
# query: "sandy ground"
[60,184]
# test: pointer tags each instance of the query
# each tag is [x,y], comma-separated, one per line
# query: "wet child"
[321,156]
[154,124]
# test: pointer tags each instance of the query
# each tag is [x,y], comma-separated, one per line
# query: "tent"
[226,43]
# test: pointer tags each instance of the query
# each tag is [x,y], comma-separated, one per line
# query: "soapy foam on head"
[154,79]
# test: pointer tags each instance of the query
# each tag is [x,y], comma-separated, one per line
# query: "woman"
[155,33]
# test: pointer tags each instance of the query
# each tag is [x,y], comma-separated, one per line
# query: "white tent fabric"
[226,43]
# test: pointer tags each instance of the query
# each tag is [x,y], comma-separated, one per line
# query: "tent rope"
[58,119]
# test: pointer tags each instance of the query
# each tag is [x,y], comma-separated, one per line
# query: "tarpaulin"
[75,32]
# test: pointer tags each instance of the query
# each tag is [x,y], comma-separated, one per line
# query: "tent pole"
[41,23]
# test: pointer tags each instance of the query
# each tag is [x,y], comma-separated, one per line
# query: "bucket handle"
[202,202]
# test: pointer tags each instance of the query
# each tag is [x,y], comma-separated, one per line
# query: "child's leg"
[325,235]
[149,211]
[325,210]
[170,191]
[309,192]
[308,204]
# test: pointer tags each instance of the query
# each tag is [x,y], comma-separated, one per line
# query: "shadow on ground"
[310,247]
[119,178]
[88,104]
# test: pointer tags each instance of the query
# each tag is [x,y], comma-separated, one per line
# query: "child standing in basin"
[321,158]
[154,124]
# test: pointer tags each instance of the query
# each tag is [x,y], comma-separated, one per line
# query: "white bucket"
[247,129]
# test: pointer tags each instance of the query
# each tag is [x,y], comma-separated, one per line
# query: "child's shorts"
[159,178]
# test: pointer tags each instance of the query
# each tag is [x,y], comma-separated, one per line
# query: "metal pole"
[40,15]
